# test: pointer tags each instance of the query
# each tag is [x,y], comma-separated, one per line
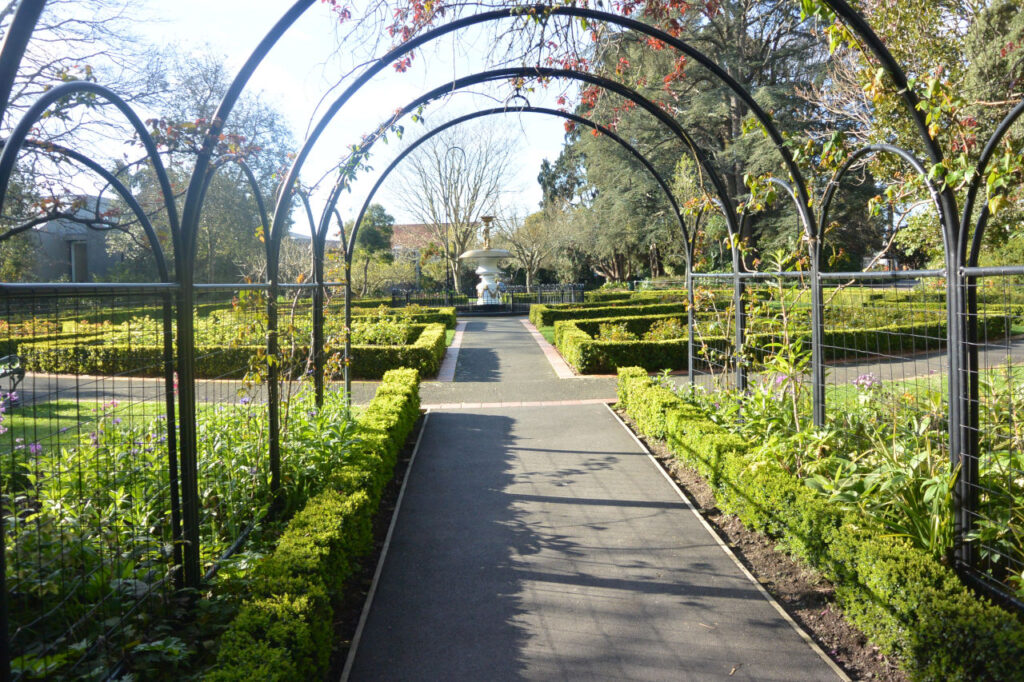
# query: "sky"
[298,71]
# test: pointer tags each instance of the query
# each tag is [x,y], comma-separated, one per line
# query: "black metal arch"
[465,81]
[253,186]
[527,72]
[970,259]
[193,205]
[122,191]
[16,141]
[533,110]
[906,156]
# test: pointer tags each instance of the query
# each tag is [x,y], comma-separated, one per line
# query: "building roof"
[416,236]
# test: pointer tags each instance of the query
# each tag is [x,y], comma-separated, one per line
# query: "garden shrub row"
[445,316]
[588,355]
[547,315]
[908,603]
[284,630]
[217,362]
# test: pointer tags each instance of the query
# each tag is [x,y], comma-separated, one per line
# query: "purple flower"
[779,378]
[35,449]
[244,400]
[867,382]
[117,420]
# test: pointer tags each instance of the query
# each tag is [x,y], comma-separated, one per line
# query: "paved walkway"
[542,543]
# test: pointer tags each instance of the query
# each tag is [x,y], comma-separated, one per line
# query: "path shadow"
[449,604]
[478,364]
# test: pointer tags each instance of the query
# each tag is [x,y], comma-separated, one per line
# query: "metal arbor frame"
[962,245]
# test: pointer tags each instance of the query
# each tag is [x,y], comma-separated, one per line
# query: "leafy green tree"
[373,241]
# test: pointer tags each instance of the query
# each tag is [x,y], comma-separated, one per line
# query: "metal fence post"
[817,336]
[273,393]
[189,458]
[967,505]
[346,368]
[741,323]
[690,302]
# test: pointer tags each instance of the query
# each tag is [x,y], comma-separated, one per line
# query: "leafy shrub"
[666,329]
[615,331]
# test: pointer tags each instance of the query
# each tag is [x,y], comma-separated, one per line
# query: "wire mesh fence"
[88,458]
[993,470]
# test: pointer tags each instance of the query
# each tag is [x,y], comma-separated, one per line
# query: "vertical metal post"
[273,393]
[690,302]
[189,458]
[741,323]
[172,441]
[967,484]
[347,360]
[317,349]
[817,336]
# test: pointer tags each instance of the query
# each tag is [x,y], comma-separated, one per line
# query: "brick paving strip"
[451,357]
[561,367]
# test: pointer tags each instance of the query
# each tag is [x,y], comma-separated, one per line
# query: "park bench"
[10,368]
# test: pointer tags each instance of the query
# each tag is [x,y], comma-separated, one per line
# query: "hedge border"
[284,630]
[574,340]
[546,315]
[368,362]
[904,600]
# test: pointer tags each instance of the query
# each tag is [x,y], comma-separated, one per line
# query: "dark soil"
[357,587]
[800,590]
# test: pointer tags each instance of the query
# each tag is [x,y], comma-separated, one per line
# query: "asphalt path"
[542,543]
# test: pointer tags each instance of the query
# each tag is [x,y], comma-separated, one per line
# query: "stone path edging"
[451,357]
[561,367]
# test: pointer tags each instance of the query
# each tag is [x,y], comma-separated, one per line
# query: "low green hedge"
[217,362]
[424,354]
[445,316]
[575,341]
[284,630]
[904,600]
[547,315]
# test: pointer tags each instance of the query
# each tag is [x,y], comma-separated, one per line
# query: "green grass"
[449,336]
[548,333]
[60,421]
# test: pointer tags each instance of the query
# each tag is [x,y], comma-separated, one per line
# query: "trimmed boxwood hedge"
[575,341]
[904,600]
[445,316]
[283,631]
[93,357]
[547,315]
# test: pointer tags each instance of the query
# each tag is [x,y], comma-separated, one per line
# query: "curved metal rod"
[947,206]
[313,229]
[253,185]
[521,109]
[733,232]
[123,192]
[192,205]
[972,193]
[809,227]
[910,159]
[26,15]
[193,196]
[528,72]
[17,138]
